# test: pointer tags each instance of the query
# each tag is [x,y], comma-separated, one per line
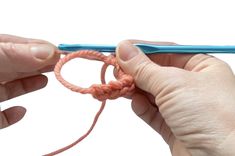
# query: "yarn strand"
[83,136]
[112,90]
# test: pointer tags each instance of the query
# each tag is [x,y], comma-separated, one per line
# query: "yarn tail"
[83,136]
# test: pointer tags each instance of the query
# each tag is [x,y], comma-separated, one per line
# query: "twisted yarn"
[123,86]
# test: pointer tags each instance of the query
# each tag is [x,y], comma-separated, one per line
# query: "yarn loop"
[123,86]
[114,89]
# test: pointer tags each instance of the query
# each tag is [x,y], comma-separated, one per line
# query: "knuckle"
[8,50]
[4,93]
[12,89]
[142,70]
[8,46]
[145,75]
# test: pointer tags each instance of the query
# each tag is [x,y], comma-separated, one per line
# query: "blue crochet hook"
[152,49]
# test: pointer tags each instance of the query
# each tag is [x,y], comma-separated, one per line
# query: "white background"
[55,115]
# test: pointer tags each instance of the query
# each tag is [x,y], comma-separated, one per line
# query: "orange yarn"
[114,89]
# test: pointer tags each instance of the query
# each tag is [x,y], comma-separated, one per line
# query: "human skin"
[22,62]
[188,99]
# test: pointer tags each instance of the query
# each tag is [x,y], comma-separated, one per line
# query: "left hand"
[22,62]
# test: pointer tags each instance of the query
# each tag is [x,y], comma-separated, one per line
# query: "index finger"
[175,60]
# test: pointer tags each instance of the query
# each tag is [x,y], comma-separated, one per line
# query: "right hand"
[188,99]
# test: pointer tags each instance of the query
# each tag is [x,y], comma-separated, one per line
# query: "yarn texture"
[123,86]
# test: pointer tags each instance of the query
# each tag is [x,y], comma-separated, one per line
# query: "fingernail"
[126,51]
[42,51]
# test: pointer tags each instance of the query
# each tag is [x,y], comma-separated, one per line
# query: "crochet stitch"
[123,86]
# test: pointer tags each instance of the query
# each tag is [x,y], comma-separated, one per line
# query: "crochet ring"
[114,89]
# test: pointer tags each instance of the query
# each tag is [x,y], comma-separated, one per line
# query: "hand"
[188,99]
[21,63]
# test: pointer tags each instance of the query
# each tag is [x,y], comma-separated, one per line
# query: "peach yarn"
[124,85]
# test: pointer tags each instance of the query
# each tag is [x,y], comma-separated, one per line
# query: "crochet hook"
[151,48]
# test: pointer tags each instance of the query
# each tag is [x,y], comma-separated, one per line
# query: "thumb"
[26,57]
[147,74]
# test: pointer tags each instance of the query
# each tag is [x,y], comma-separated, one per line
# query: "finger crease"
[161,126]
[4,119]
[144,112]
[23,86]
[5,93]
[152,118]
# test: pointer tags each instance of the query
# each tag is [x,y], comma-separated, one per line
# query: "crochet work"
[123,86]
